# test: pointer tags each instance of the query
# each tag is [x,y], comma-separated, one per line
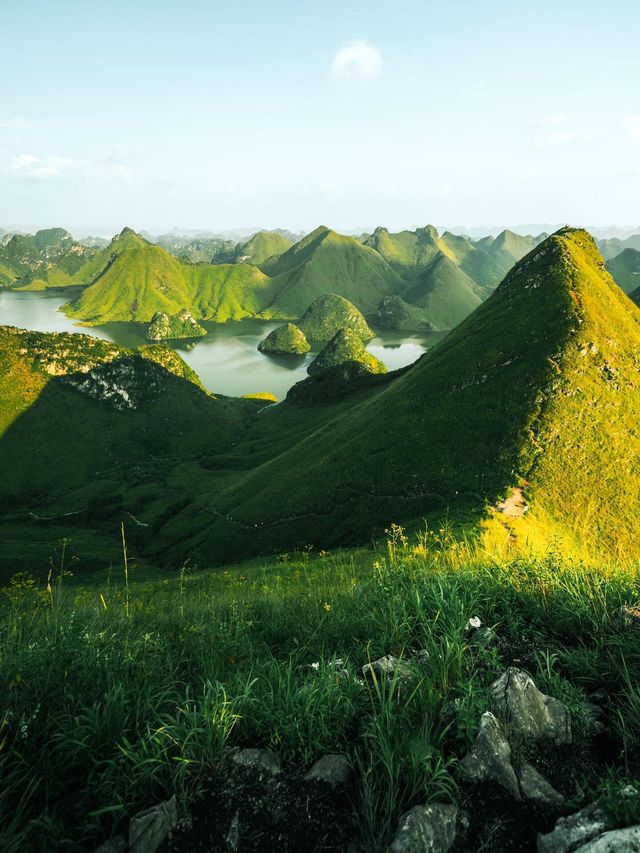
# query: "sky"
[213,115]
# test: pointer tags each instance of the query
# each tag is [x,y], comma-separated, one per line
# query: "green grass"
[116,696]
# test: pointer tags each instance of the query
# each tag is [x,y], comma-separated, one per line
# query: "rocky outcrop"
[516,700]
[164,327]
[149,828]
[426,829]
[489,759]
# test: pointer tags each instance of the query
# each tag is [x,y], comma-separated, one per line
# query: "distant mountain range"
[410,280]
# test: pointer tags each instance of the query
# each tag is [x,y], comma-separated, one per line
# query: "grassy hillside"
[48,258]
[445,294]
[326,262]
[478,264]
[508,248]
[263,245]
[538,386]
[625,269]
[142,279]
[407,252]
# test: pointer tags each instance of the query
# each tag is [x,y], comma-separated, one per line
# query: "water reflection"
[227,359]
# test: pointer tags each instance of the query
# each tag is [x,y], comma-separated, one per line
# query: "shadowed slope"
[625,269]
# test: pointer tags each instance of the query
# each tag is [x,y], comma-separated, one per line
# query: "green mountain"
[625,269]
[57,239]
[508,248]
[328,314]
[614,246]
[535,390]
[326,262]
[445,294]
[48,258]
[261,247]
[18,256]
[345,346]
[407,252]
[142,279]
[395,313]
[285,340]
[478,264]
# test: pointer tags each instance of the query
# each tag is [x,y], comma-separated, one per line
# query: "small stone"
[149,828]
[537,789]
[426,829]
[529,712]
[630,616]
[233,835]
[489,759]
[390,668]
[332,769]
[421,657]
[482,637]
[261,760]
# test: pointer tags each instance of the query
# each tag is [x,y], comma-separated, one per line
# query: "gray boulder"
[426,829]
[575,831]
[261,761]
[489,759]
[535,788]
[529,712]
[149,828]
[331,769]
[625,840]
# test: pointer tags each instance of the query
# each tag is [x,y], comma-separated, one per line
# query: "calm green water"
[227,359]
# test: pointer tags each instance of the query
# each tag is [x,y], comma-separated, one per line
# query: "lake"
[226,360]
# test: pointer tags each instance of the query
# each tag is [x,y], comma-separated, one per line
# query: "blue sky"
[289,114]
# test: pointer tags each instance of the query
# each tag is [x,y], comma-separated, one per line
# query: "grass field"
[119,692]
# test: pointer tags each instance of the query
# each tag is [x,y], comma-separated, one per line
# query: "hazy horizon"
[209,116]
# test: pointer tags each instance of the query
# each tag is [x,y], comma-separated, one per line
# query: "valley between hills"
[220,590]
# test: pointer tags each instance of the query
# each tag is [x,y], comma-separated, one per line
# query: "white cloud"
[14,123]
[45,166]
[48,166]
[632,125]
[356,59]
[557,131]
[555,120]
